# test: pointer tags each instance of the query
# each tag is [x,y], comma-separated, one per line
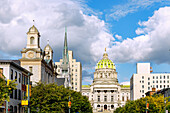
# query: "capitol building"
[105,93]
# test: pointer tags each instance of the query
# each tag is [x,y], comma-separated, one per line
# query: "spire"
[65,50]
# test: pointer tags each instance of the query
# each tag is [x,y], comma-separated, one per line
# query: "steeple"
[65,51]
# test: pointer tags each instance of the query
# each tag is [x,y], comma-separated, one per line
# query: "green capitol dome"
[105,62]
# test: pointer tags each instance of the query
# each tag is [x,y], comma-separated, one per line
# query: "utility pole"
[146,105]
[69,101]
[28,93]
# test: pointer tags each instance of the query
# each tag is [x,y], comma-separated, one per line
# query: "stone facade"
[105,93]
[39,62]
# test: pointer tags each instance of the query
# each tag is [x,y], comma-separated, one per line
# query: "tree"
[5,89]
[156,105]
[52,98]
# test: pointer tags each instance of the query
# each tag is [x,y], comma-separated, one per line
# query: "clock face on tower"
[30,54]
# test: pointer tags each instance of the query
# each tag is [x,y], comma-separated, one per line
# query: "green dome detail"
[105,62]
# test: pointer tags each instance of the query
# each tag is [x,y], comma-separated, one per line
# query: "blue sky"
[131,30]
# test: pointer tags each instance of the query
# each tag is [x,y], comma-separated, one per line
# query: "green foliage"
[156,105]
[5,90]
[50,98]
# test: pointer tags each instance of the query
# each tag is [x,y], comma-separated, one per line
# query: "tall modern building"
[69,69]
[37,61]
[144,80]
[105,93]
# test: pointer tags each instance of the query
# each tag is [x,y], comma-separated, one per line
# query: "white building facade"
[106,94]
[144,80]
[11,70]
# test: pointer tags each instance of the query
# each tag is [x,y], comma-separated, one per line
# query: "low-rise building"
[12,70]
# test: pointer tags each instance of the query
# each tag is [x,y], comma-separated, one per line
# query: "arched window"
[112,106]
[98,105]
[32,40]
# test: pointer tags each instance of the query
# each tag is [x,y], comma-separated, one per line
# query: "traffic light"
[69,104]
[29,90]
[147,107]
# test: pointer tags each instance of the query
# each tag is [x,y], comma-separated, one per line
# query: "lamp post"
[28,92]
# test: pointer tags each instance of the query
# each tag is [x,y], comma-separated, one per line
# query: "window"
[76,70]
[160,86]
[142,81]
[142,91]
[156,86]
[16,75]
[75,88]
[98,98]
[30,69]
[153,81]
[168,77]
[142,86]
[112,106]
[168,86]
[58,70]
[76,79]
[11,94]
[148,78]
[142,77]
[75,75]
[72,65]
[15,109]
[148,88]
[153,77]
[76,83]
[111,98]
[160,81]
[164,86]
[160,77]
[156,77]
[32,40]
[153,86]
[98,105]
[127,98]
[168,81]
[142,95]
[11,74]
[105,98]
[72,69]
[72,78]
[16,94]
[19,77]
[122,98]
[164,76]
[148,83]
[156,81]
[72,83]
[164,81]
[19,94]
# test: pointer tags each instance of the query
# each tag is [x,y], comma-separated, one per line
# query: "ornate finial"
[105,49]
[47,41]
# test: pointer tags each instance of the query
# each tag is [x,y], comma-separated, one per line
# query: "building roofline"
[13,62]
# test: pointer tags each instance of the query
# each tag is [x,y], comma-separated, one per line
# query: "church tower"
[48,52]
[65,63]
[32,50]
